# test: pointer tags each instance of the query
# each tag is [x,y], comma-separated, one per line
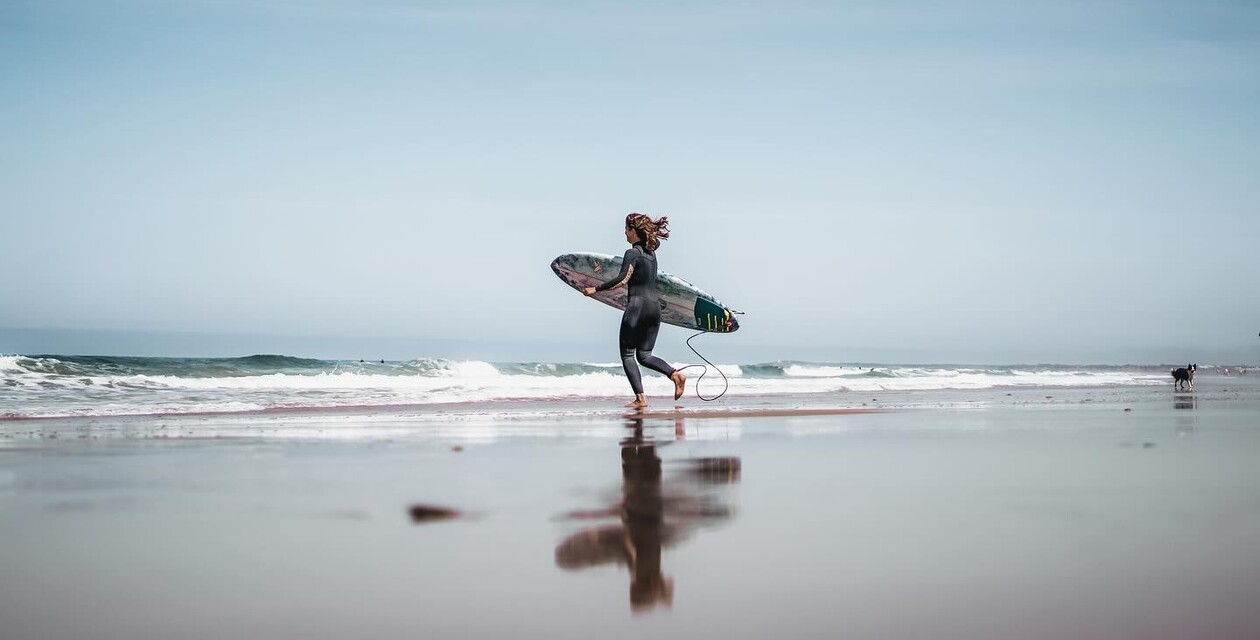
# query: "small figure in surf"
[642,318]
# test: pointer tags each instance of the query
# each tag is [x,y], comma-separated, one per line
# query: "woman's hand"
[589,291]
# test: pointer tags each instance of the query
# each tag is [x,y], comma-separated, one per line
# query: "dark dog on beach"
[1184,376]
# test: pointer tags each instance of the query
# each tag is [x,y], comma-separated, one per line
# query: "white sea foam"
[468,369]
[30,387]
[9,364]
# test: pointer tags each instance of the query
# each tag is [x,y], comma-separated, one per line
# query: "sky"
[884,180]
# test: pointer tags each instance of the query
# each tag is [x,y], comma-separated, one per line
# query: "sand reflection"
[1185,401]
[654,514]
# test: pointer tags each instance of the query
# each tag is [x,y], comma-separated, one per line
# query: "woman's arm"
[627,270]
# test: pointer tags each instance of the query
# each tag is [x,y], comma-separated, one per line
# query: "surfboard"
[682,303]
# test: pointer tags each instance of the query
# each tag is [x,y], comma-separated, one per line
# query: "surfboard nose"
[564,266]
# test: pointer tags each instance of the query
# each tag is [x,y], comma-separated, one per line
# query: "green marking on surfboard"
[712,316]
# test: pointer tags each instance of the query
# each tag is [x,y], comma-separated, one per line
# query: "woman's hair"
[650,231]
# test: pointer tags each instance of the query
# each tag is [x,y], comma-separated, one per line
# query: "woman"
[642,319]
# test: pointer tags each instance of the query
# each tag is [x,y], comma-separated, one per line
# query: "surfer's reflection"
[653,517]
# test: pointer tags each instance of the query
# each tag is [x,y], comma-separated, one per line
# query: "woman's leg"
[645,357]
[627,341]
[643,350]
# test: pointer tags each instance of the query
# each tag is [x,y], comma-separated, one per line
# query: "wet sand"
[739,414]
[1089,513]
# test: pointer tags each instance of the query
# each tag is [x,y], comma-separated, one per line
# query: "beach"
[1126,511]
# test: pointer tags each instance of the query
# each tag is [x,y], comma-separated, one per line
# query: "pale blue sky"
[965,181]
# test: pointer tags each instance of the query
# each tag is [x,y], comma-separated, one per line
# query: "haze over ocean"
[870,181]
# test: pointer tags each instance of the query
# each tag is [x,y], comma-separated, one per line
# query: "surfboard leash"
[726,381]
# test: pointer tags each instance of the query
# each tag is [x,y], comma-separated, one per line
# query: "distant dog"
[1183,376]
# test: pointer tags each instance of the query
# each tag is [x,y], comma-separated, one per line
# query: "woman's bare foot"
[680,383]
[640,402]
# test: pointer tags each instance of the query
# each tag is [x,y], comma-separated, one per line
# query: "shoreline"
[413,420]
[840,395]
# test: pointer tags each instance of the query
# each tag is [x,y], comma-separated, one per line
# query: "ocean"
[41,386]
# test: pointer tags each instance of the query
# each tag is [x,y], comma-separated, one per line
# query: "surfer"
[642,318]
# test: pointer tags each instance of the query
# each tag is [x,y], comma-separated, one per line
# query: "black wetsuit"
[642,319]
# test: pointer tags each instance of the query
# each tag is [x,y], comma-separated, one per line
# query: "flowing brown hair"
[650,231]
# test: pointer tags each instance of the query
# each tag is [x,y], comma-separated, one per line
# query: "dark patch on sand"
[425,513]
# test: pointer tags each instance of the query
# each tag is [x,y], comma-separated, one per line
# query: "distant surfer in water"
[642,319]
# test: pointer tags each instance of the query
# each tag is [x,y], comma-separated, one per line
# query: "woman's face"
[632,236]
